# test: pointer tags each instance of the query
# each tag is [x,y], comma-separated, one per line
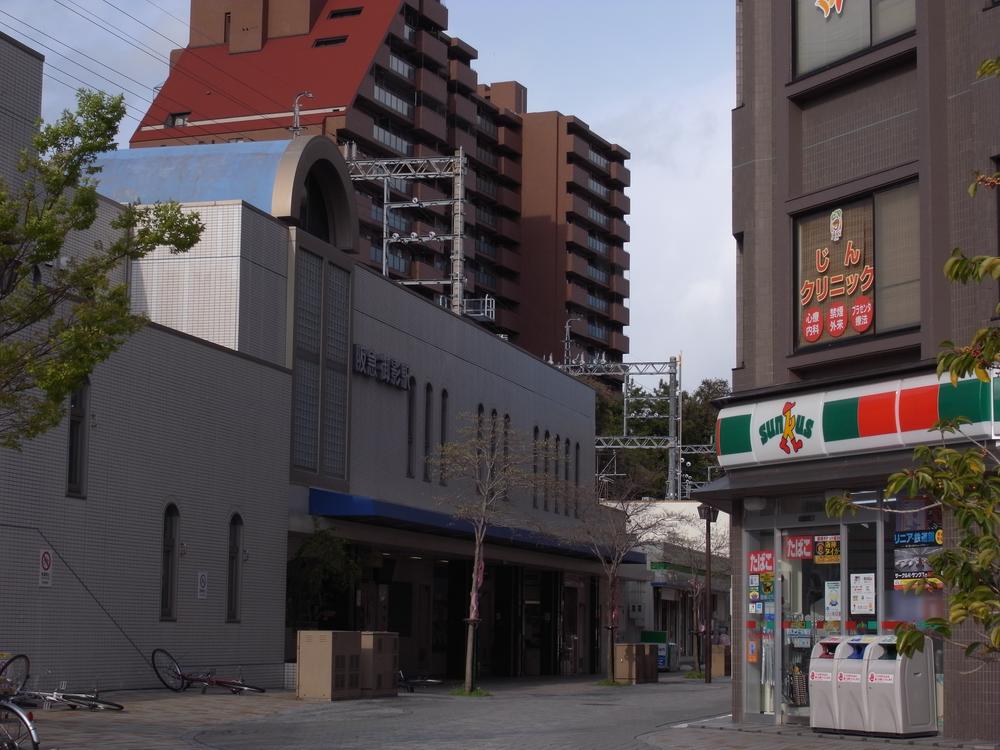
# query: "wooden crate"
[329,664]
[379,663]
[625,662]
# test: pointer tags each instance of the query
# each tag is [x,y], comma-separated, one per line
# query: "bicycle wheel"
[238,686]
[168,671]
[15,672]
[92,702]
[16,732]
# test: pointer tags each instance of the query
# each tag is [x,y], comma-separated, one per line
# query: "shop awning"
[361,509]
[865,472]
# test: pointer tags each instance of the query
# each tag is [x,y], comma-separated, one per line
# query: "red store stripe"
[918,408]
[877,414]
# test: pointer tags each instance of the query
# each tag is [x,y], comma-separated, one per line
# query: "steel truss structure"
[451,168]
[678,485]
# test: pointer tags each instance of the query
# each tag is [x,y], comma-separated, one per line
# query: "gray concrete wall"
[171,420]
[475,367]
[20,102]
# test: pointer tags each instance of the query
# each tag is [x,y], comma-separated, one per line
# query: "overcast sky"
[656,76]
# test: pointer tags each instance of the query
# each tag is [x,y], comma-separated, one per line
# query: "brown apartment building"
[858,127]
[545,213]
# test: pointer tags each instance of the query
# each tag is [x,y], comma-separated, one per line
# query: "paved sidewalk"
[553,714]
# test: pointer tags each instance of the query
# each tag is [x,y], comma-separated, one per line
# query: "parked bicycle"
[17,729]
[42,698]
[169,672]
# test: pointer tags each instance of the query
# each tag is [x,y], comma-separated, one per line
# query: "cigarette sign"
[45,568]
[761,562]
[798,548]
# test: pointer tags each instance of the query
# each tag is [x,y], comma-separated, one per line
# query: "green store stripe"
[969,399]
[734,435]
[840,419]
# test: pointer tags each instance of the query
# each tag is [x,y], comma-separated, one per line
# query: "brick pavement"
[570,714]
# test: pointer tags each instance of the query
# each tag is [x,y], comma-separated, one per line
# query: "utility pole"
[296,111]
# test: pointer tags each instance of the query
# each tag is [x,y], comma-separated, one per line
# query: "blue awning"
[360,509]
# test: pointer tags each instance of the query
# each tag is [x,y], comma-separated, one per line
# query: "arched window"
[411,427]
[576,481]
[545,472]
[76,463]
[235,572]
[555,475]
[566,479]
[534,469]
[444,434]
[168,569]
[428,430]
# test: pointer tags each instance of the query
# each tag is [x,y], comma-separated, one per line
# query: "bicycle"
[73,700]
[169,672]
[17,729]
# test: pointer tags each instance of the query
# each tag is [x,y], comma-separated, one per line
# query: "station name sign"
[382,367]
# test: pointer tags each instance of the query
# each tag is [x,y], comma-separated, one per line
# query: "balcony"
[620,285]
[577,264]
[619,257]
[621,202]
[589,331]
[510,169]
[429,122]
[459,49]
[510,259]
[510,139]
[577,295]
[619,229]
[620,174]
[432,84]
[403,31]
[352,125]
[508,320]
[509,228]
[460,139]
[463,75]
[583,181]
[380,98]
[619,313]
[508,199]
[435,12]
[462,107]
[365,206]
[432,48]
[618,342]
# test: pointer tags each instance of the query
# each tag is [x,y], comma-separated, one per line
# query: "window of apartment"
[168,563]
[330,41]
[598,273]
[396,142]
[597,302]
[597,331]
[596,244]
[397,102]
[444,435]
[428,429]
[597,159]
[830,30]
[486,124]
[235,568]
[858,267]
[401,67]
[411,427]
[598,188]
[534,469]
[345,12]
[597,216]
[76,463]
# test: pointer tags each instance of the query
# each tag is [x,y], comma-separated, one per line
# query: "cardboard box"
[329,664]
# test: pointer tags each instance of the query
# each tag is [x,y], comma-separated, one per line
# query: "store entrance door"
[811,608]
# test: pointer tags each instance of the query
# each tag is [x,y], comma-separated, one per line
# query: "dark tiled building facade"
[386,77]
[858,127]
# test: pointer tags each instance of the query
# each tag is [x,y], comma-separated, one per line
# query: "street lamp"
[709,515]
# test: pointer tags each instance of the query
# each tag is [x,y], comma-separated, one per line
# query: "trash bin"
[822,696]
[849,685]
[902,697]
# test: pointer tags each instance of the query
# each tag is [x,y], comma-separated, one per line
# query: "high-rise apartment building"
[858,128]
[386,78]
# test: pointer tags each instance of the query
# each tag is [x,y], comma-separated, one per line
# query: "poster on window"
[912,550]
[862,593]
[827,549]
[832,607]
[836,273]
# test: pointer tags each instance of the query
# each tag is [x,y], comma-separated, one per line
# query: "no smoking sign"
[45,568]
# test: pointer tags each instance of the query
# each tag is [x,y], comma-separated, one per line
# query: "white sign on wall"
[45,568]
[202,584]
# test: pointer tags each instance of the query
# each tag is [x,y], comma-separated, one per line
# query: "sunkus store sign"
[878,416]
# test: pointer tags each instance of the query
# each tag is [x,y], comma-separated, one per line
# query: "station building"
[857,130]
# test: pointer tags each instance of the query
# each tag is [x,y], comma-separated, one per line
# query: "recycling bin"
[902,696]
[822,696]
[850,686]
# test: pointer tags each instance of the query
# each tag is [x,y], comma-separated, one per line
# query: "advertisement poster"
[862,593]
[767,587]
[911,553]
[827,550]
[798,548]
[760,561]
[832,599]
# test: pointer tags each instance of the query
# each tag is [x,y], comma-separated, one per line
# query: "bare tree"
[613,523]
[482,467]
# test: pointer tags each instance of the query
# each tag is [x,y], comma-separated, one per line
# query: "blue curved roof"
[204,172]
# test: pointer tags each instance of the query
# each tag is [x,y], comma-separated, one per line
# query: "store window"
[859,267]
[760,624]
[830,30]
